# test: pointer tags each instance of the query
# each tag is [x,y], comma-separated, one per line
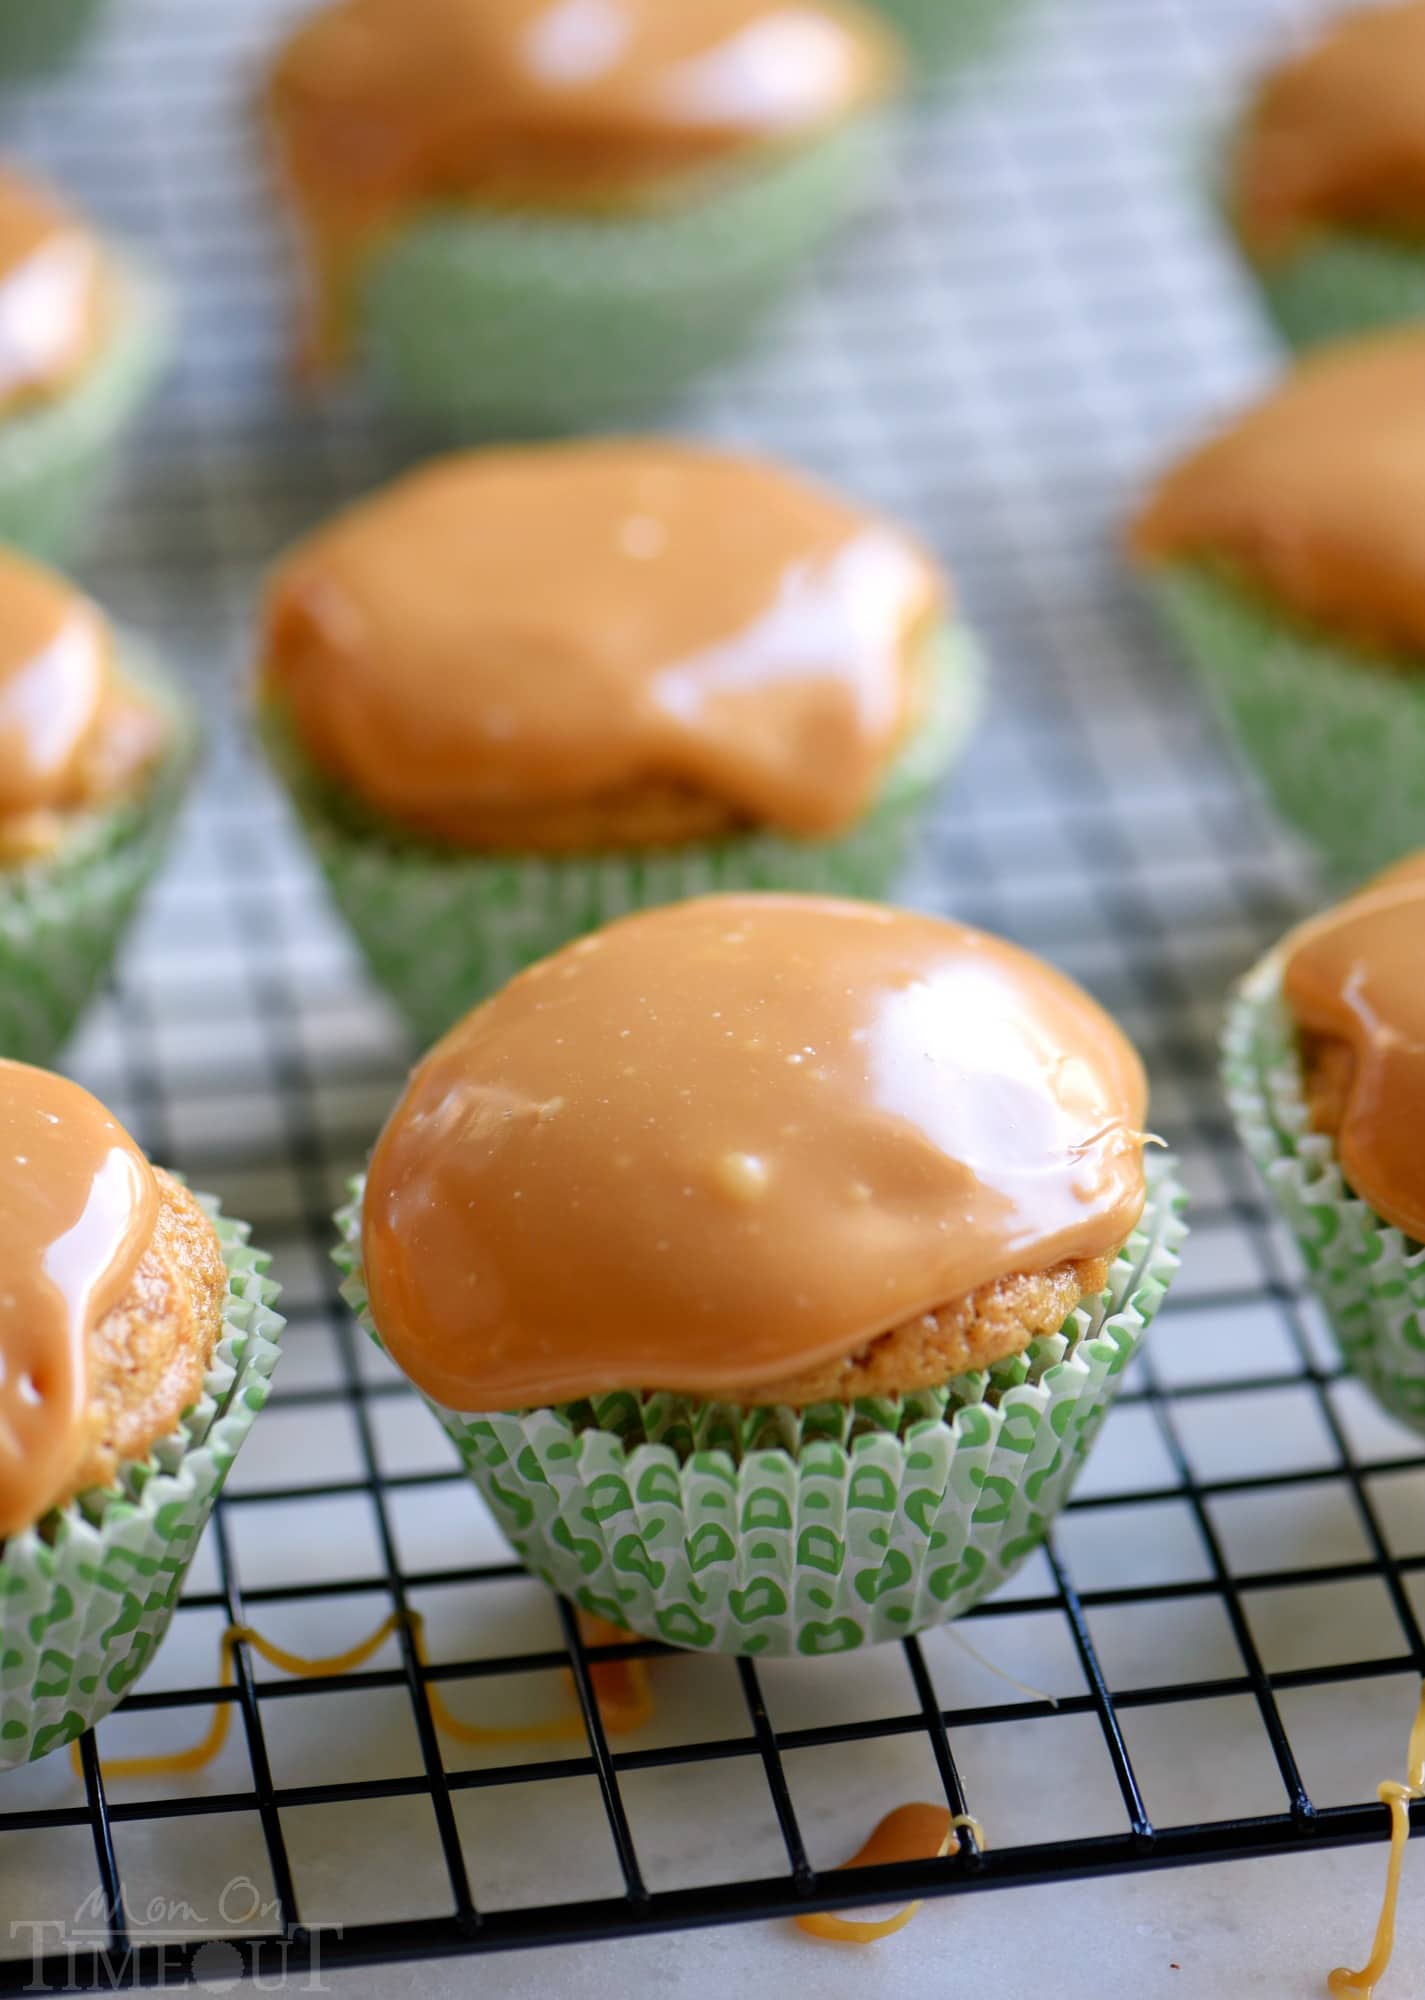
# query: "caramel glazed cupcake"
[136,1343]
[1288,555]
[1325,1069]
[96,746]
[83,335]
[772,1262]
[522,692]
[1326,188]
[552,213]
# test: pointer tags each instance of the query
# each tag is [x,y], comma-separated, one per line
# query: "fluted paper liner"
[685,1522]
[1336,736]
[62,917]
[56,456]
[87,1594]
[483,322]
[1368,1275]
[441,928]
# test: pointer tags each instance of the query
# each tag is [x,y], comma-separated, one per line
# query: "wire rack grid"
[1216,1653]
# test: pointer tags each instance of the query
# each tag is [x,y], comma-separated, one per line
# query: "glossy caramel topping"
[51,285]
[1357,976]
[381,107]
[717,1142]
[535,628]
[71,733]
[1316,496]
[78,1203]
[1337,135]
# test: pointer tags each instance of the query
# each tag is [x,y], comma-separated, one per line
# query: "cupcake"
[1325,190]
[550,212]
[39,35]
[95,751]
[136,1343]
[771,1261]
[524,691]
[1288,554]
[1325,1071]
[83,334]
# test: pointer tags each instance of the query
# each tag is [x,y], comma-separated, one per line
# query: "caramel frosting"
[505,638]
[1316,496]
[73,734]
[383,107]
[51,293]
[1336,136]
[717,1143]
[1355,979]
[78,1205]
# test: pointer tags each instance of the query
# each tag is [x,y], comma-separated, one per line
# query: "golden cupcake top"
[1315,497]
[1354,983]
[382,107]
[1336,135]
[718,1144]
[73,734]
[615,643]
[51,293]
[78,1203]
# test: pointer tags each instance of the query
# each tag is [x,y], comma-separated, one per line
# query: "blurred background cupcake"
[83,335]
[941,34]
[96,746]
[523,691]
[1325,181]
[533,216]
[772,1262]
[1288,555]
[136,1344]
[1325,1071]
[39,35]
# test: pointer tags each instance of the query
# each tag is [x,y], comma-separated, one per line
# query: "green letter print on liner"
[811,1544]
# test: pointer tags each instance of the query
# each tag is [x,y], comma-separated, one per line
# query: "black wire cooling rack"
[1216,1655]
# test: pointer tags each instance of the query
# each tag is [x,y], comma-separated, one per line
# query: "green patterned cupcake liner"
[1369,1276]
[440,930]
[1342,284]
[56,457]
[943,34]
[1336,735]
[88,1593]
[39,35]
[815,1531]
[62,918]
[483,324]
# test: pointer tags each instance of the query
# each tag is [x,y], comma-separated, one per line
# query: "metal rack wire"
[1035,312]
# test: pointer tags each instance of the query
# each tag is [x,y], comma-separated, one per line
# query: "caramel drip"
[1343,1983]
[71,733]
[620,1687]
[51,293]
[1337,135]
[510,634]
[78,1204]
[1356,976]
[719,1142]
[910,1833]
[382,107]
[1316,496]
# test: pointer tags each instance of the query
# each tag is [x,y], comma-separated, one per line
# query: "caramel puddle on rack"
[1343,1984]
[621,1687]
[910,1833]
